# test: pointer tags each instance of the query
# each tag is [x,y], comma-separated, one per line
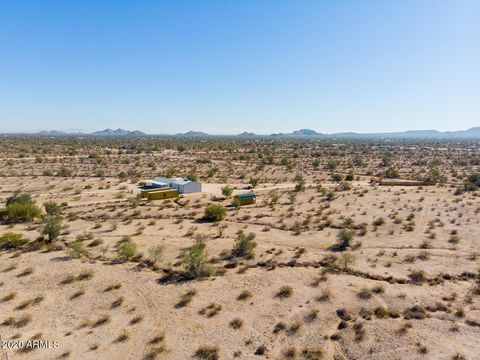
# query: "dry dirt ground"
[408,290]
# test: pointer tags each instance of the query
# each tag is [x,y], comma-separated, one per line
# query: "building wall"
[190,187]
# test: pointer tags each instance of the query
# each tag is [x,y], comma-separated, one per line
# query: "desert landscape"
[353,249]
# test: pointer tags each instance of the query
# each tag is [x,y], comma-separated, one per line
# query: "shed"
[246,199]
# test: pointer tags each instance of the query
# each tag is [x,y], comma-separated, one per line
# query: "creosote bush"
[214,213]
[195,260]
[244,245]
[127,249]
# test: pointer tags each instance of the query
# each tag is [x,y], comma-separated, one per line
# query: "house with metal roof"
[183,186]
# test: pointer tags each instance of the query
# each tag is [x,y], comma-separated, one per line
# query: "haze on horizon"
[227,67]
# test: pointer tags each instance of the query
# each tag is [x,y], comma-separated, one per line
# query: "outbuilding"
[246,199]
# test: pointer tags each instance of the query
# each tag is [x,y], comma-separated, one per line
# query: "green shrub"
[472,182]
[51,226]
[244,245]
[76,249]
[344,238]
[21,212]
[195,260]
[127,249]
[215,213]
[391,173]
[12,240]
[227,191]
[19,198]
[52,208]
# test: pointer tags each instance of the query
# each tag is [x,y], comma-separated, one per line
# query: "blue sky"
[228,66]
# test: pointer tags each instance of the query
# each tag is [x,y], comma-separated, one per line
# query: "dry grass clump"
[77,294]
[9,296]
[210,310]
[186,299]
[359,331]
[136,320]
[244,295]
[26,272]
[112,287]
[364,294]
[117,303]
[415,312]
[20,322]
[312,354]
[83,276]
[285,292]
[207,352]
[29,303]
[124,336]
[101,321]
[236,323]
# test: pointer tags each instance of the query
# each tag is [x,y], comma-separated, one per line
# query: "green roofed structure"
[246,199]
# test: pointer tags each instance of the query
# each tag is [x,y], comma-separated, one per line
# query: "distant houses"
[183,186]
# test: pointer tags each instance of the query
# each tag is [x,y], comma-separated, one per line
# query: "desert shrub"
[300,185]
[195,260]
[472,182]
[337,177]
[12,240]
[254,181]
[52,208]
[51,226]
[417,276]
[76,249]
[364,294]
[155,253]
[415,312]
[244,245]
[64,172]
[127,249]
[236,323]
[285,292]
[215,213]
[391,173]
[379,221]
[227,190]
[344,239]
[346,259]
[20,207]
[381,312]
[244,295]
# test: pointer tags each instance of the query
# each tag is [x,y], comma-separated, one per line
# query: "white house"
[184,186]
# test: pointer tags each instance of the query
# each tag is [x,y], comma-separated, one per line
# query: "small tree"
[51,226]
[227,191]
[215,213]
[195,260]
[345,238]
[244,245]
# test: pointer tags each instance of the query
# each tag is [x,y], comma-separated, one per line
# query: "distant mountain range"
[472,133]
[106,132]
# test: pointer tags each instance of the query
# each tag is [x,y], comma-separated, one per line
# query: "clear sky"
[165,66]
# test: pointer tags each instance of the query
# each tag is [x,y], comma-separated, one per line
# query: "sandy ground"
[123,311]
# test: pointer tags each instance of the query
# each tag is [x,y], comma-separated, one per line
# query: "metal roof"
[246,196]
